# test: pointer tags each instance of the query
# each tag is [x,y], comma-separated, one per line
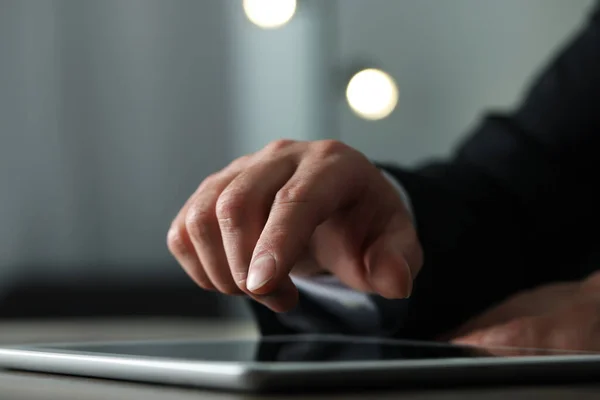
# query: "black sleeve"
[514,206]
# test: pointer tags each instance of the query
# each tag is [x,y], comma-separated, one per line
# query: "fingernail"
[261,271]
[395,250]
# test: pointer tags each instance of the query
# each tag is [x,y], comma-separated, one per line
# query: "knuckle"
[278,145]
[176,242]
[239,163]
[197,223]
[230,207]
[291,194]
[330,147]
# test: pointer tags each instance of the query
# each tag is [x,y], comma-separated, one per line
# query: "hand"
[301,208]
[563,316]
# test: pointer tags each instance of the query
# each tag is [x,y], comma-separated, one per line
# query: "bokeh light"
[372,94]
[269,14]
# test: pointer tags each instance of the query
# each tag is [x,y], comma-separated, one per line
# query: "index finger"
[302,204]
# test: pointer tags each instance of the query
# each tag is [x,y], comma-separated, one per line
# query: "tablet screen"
[295,349]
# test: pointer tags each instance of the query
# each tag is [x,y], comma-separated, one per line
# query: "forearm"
[475,252]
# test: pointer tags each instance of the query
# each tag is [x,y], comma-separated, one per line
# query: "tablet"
[301,362]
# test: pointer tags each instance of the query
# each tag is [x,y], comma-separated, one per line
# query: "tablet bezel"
[254,376]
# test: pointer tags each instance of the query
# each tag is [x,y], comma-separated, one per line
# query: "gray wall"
[111,111]
[452,61]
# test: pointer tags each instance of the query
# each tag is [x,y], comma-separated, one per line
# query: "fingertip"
[388,271]
[394,252]
[261,274]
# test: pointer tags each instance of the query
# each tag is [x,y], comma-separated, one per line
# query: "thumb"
[394,259]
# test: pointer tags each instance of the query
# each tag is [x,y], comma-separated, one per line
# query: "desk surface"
[16,385]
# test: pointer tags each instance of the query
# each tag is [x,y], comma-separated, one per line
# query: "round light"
[269,14]
[372,94]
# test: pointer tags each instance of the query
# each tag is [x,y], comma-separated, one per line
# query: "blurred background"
[113,111]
